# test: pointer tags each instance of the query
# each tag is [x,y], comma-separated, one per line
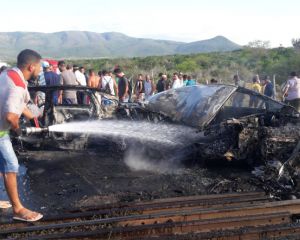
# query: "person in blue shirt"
[51,79]
[190,81]
[268,87]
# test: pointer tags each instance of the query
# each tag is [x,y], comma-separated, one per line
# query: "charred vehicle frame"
[234,123]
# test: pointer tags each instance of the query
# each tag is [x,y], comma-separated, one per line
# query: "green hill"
[82,44]
[216,44]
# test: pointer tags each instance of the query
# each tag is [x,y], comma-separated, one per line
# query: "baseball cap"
[45,64]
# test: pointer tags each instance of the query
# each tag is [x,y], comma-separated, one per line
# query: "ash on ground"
[59,181]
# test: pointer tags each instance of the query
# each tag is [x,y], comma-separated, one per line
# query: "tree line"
[247,62]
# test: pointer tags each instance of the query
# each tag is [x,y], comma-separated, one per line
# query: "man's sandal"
[25,216]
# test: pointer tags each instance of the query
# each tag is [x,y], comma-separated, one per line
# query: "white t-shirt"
[176,83]
[110,81]
[80,78]
[294,88]
[13,95]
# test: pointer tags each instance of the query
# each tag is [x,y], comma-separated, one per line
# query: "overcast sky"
[180,20]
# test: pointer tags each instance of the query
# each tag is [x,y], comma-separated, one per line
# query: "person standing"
[51,79]
[256,84]
[176,81]
[80,77]
[148,87]
[268,87]
[139,88]
[238,98]
[124,88]
[190,81]
[94,80]
[162,83]
[169,83]
[292,91]
[108,83]
[82,70]
[81,81]
[14,96]
[67,78]
[236,80]
[115,82]
[257,88]
[180,76]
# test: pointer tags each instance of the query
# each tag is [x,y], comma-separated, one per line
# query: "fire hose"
[34,130]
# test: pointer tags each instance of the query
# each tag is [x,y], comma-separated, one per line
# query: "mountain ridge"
[85,44]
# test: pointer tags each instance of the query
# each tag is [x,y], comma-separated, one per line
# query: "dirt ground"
[55,181]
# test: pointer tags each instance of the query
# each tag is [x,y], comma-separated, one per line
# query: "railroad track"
[227,216]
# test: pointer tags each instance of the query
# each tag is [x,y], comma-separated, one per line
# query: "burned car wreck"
[91,105]
[236,123]
[233,123]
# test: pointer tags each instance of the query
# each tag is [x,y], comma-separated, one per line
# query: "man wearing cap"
[13,99]
[124,86]
[51,79]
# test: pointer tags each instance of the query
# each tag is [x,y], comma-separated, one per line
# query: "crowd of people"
[112,82]
[263,86]
[291,89]
[142,87]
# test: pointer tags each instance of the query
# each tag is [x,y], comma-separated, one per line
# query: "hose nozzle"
[34,130]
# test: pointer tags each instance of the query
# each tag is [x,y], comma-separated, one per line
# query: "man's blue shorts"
[8,159]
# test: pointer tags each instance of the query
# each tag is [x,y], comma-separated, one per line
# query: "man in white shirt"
[79,73]
[176,81]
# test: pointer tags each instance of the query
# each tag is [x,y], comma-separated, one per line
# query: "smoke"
[137,159]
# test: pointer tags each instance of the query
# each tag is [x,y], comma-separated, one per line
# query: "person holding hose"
[14,96]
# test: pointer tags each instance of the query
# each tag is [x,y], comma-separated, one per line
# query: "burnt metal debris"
[234,124]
